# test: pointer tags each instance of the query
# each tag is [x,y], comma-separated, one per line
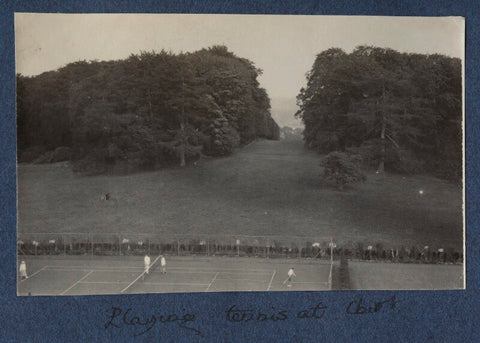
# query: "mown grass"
[268,188]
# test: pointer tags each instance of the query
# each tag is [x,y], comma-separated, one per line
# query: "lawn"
[267,188]
[404,276]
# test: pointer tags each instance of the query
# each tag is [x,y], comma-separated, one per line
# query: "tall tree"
[385,105]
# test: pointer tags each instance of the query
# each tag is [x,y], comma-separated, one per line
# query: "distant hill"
[288,133]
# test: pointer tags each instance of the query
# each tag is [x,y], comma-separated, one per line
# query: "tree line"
[149,110]
[400,112]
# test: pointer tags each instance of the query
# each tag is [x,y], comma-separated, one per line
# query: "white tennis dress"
[163,263]
[23,270]
[147,264]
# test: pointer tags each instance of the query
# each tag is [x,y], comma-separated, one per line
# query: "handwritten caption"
[119,318]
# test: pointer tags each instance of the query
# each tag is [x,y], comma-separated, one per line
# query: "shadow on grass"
[340,275]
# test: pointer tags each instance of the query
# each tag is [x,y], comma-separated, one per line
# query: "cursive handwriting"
[360,307]
[119,318]
[316,312]
[236,315]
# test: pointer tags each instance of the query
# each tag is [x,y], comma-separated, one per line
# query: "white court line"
[170,271]
[242,279]
[87,270]
[138,277]
[105,282]
[179,269]
[210,272]
[330,277]
[131,271]
[93,267]
[211,282]
[175,283]
[76,283]
[223,270]
[38,271]
[241,271]
[271,280]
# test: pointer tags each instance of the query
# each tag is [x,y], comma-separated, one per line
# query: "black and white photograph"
[179,153]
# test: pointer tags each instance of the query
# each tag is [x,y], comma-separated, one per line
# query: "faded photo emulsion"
[212,153]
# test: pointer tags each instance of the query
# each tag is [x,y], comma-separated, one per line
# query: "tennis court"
[87,275]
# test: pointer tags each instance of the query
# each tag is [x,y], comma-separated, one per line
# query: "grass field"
[267,188]
[404,276]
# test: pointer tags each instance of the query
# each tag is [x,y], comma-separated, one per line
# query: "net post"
[331,264]
[331,249]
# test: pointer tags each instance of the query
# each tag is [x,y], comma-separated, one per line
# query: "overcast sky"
[284,47]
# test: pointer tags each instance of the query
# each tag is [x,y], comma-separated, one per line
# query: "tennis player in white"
[23,271]
[163,263]
[291,274]
[147,264]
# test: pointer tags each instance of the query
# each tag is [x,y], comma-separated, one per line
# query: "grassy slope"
[268,188]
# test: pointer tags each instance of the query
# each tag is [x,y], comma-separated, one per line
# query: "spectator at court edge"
[163,263]
[147,264]
[23,270]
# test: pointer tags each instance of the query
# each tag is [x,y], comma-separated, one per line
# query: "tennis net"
[142,275]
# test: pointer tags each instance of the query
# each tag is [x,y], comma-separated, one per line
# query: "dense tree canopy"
[399,111]
[144,111]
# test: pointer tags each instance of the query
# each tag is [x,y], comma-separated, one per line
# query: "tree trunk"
[381,166]
[182,126]
[150,104]
[182,156]
[182,145]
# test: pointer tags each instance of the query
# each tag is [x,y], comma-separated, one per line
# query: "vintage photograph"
[166,153]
